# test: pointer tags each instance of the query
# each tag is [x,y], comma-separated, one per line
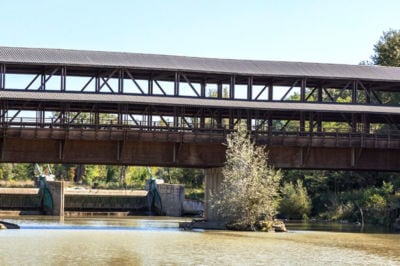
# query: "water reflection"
[335,227]
[147,241]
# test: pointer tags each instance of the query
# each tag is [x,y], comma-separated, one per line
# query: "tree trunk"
[362,216]
[79,173]
[122,175]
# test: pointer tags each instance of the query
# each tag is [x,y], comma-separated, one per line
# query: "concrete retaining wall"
[105,203]
[172,198]
[81,200]
[193,207]
[19,199]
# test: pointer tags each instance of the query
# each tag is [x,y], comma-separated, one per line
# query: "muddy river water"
[155,241]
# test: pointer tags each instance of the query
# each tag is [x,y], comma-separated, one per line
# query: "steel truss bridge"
[70,106]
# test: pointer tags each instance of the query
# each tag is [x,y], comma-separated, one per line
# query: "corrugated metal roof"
[195,64]
[195,102]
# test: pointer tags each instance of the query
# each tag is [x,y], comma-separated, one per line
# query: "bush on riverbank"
[295,202]
[249,189]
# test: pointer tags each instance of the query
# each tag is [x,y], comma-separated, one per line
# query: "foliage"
[249,187]
[295,202]
[387,53]
[190,177]
[5,171]
[387,49]
[194,193]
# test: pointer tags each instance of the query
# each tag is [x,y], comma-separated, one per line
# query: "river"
[159,241]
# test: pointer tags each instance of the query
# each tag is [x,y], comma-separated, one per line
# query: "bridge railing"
[160,126]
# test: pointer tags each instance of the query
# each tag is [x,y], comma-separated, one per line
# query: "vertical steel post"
[270,91]
[354,123]
[270,125]
[354,92]
[319,100]
[302,122]
[219,90]
[202,119]
[176,117]
[311,122]
[119,118]
[366,120]
[121,81]
[250,88]
[367,95]
[150,119]
[2,77]
[366,123]
[232,87]
[96,119]
[319,123]
[231,119]
[319,94]
[63,79]
[43,81]
[97,84]
[176,84]
[248,120]
[303,90]
[203,89]
[219,119]
[150,85]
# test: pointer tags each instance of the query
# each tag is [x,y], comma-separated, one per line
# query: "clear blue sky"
[331,31]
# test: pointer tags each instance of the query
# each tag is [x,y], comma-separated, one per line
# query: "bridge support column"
[213,179]
[56,189]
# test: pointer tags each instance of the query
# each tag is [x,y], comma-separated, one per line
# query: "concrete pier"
[172,198]
[213,179]
[56,189]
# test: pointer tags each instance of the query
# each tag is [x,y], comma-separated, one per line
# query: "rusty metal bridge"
[70,106]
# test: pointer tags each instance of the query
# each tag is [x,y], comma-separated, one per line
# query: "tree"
[295,202]
[387,53]
[249,187]
[387,49]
